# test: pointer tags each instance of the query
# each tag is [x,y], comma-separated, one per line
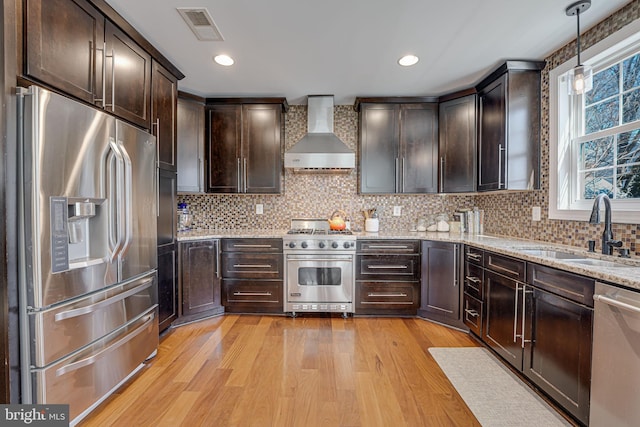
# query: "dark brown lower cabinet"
[252,275]
[167,285]
[200,275]
[441,290]
[387,277]
[543,328]
[502,325]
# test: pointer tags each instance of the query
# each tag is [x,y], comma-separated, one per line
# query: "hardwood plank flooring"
[247,370]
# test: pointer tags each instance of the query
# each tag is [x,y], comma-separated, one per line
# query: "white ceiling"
[350,48]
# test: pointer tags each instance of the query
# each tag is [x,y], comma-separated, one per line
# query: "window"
[595,138]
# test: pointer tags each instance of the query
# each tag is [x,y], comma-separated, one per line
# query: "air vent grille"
[201,23]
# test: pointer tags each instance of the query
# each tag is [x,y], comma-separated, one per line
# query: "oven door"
[320,277]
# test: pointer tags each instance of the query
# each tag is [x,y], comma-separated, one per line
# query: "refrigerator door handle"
[127,182]
[93,307]
[99,355]
[116,232]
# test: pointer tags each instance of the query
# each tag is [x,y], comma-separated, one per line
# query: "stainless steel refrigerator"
[88,281]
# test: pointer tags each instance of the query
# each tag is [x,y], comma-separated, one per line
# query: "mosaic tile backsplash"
[506,213]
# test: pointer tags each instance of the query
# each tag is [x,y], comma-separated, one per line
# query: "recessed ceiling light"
[408,60]
[224,60]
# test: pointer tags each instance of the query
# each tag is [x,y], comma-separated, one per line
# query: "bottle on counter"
[184,217]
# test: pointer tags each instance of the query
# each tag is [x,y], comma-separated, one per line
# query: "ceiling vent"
[201,23]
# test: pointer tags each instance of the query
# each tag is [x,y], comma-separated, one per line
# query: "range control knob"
[321,245]
[304,244]
[292,245]
[347,245]
[334,245]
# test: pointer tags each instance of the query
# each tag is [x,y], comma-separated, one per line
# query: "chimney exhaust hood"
[320,150]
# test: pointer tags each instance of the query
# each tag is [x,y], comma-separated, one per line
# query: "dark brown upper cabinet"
[127,77]
[398,145]
[164,94]
[509,127]
[244,146]
[457,128]
[64,41]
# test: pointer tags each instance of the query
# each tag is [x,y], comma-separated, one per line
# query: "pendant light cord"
[578,31]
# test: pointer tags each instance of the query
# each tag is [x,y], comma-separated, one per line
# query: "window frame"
[562,190]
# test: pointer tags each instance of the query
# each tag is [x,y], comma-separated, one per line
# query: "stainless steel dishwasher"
[615,381]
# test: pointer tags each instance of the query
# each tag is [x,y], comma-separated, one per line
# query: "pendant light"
[581,76]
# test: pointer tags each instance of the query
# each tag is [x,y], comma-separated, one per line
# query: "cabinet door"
[261,148]
[557,354]
[419,148]
[223,148]
[492,136]
[167,213]
[64,45]
[164,92]
[440,293]
[379,155]
[457,127]
[128,78]
[200,276]
[167,285]
[191,146]
[503,323]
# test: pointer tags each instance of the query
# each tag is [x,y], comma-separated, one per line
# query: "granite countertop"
[628,275]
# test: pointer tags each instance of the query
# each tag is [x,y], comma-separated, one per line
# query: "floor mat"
[493,393]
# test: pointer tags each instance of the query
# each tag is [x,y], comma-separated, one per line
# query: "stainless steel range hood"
[320,150]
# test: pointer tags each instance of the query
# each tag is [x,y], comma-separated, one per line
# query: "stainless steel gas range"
[319,269]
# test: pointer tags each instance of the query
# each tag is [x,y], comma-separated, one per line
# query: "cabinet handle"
[113,80]
[455,266]
[251,265]
[474,257]
[388,247]
[397,170]
[387,295]
[387,267]
[441,174]
[515,316]
[500,151]
[253,294]
[473,279]
[239,174]
[524,302]
[402,175]
[218,262]
[200,174]
[104,74]
[242,245]
[244,173]
[472,313]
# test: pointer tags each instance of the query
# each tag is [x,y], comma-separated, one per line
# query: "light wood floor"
[278,371]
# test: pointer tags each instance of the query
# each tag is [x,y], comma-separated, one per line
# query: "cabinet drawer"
[259,292]
[388,267]
[474,255]
[473,280]
[472,314]
[251,266]
[252,245]
[569,285]
[387,297]
[388,246]
[507,266]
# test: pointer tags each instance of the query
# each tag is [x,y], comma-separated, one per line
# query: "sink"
[598,262]
[548,253]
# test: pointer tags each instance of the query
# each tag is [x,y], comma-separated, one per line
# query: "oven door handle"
[333,258]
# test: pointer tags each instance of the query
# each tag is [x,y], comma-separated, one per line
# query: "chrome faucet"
[607,235]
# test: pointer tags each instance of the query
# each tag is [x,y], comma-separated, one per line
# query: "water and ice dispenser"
[79,233]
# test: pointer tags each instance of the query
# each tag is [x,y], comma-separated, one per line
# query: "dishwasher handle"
[616,303]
